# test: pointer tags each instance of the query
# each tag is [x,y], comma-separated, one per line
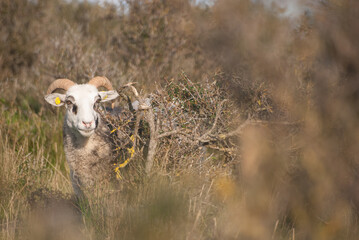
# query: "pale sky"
[289,8]
[116,1]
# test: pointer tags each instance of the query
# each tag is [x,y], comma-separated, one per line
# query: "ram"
[86,136]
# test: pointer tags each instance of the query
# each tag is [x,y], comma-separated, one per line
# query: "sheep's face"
[82,102]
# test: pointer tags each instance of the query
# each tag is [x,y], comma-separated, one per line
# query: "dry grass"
[256,120]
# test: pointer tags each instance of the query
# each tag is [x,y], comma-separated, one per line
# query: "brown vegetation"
[253,124]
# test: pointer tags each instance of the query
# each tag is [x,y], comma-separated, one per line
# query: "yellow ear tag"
[57,101]
[105,97]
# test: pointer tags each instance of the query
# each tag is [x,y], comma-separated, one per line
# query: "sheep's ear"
[108,95]
[55,99]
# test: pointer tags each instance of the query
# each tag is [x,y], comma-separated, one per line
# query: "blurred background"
[292,67]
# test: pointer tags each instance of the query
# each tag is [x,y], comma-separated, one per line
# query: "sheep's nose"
[87,124]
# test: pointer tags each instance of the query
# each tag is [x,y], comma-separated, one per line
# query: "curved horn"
[64,84]
[101,82]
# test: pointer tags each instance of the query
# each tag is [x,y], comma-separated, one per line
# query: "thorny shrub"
[191,121]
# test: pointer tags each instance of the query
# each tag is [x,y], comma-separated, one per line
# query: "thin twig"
[239,130]
[218,114]
[166,134]
[228,150]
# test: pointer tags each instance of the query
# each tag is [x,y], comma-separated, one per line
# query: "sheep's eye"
[68,102]
[74,109]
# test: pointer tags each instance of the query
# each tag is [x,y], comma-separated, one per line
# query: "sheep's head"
[81,102]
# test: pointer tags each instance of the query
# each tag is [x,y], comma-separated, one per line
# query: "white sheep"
[86,137]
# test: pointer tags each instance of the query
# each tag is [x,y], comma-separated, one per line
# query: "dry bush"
[175,125]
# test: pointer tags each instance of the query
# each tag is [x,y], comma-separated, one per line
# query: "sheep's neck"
[78,141]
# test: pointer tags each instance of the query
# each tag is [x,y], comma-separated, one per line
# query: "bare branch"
[166,134]
[151,121]
[218,114]
[222,149]
[239,130]
[129,85]
[153,140]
